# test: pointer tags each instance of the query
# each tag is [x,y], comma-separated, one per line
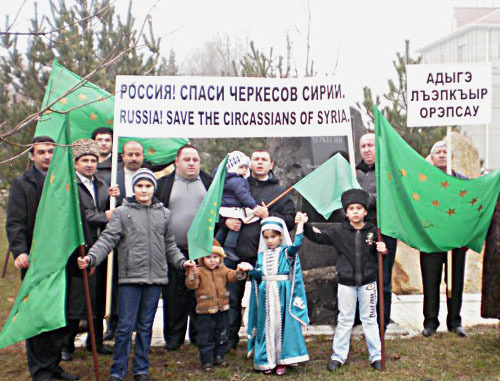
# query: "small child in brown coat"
[209,281]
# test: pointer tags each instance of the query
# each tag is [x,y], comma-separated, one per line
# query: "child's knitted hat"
[235,159]
[354,196]
[217,249]
[144,174]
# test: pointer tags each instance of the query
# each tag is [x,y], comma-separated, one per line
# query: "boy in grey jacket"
[141,230]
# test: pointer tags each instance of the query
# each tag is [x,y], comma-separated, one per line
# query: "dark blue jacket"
[237,192]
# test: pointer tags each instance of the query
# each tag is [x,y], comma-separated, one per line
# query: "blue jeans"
[137,305]
[367,297]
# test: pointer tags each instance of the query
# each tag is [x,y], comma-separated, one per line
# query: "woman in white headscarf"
[278,305]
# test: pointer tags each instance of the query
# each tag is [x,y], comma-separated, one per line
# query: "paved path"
[406,314]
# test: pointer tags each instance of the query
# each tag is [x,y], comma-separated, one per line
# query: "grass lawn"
[445,356]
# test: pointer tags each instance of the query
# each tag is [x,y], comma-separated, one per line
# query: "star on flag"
[422,177]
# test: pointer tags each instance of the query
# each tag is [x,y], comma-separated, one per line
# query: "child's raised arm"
[300,220]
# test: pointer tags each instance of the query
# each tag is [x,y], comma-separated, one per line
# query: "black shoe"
[219,361]
[66,355]
[172,348]
[232,345]
[142,377]
[377,365]
[103,350]
[114,378]
[66,376]
[459,331]
[207,367]
[428,332]
[334,365]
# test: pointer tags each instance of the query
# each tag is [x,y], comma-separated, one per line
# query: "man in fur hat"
[94,205]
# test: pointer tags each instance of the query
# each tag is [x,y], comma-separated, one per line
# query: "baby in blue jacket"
[237,201]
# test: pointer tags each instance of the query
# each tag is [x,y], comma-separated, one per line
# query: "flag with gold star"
[41,301]
[424,207]
[91,107]
[201,232]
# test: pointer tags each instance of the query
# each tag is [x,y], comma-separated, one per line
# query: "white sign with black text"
[448,94]
[215,107]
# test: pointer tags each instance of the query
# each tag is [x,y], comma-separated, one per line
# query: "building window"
[461,53]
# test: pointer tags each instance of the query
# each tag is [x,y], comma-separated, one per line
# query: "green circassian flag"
[41,302]
[201,232]
[424,207]
[92,107]
[324,186]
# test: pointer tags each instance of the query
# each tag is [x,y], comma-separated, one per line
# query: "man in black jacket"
[103,136]
[44,350]
[264,187]
[431,265]
[182,192]
[94,205]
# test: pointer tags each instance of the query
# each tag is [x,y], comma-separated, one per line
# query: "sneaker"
[459,331]
[377,365]
[334,365]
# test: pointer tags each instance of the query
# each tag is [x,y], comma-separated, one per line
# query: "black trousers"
[72,330]
[236,292]
[387,265]
[431,265]
[44,354]
[212,335]
[178,304]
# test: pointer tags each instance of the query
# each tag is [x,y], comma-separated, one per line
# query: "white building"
[475,38]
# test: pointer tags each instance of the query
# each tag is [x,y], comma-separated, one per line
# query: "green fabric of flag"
[324,186]
[424,207]
[41,301]
[92,107]
[201,232]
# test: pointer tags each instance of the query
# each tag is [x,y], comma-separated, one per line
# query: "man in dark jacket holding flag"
[44,350]
[94,195]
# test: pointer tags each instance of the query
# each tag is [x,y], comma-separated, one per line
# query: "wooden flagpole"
[6,262]
[381,301]
[112,202]
[89,317]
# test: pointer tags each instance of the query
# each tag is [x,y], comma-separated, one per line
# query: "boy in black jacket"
[355,242]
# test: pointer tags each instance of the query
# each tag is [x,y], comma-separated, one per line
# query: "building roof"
[466,16]
[467,19]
